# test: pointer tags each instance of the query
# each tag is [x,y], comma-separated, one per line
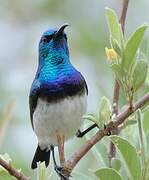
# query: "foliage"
[106,173]
[43,173]
[103,113]
[131,71]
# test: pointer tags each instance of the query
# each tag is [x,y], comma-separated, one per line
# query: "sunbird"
[58,96]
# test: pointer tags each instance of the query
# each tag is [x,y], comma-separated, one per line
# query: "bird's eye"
[46,39]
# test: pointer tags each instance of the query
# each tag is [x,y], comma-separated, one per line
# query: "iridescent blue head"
[53,45]
[56,77]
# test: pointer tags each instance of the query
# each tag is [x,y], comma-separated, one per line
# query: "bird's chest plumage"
[64,116]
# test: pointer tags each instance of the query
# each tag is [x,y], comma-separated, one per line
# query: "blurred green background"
[21,25]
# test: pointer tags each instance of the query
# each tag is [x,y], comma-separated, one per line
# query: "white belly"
[64,116]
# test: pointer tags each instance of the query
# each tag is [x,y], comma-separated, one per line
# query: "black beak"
[61,30]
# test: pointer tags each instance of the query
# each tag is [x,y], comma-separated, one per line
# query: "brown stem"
[123,14]
[12,171]
[112,150]
[116,97]
[75,158]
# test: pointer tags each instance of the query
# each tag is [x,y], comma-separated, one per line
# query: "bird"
[58,95]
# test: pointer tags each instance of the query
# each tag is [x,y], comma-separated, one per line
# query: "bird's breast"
[64,116]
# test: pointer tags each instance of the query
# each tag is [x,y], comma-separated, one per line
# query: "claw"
[79,134]
[58,170]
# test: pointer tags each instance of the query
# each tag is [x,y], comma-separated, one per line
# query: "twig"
[8,113]
[112,150]
[123,14]
[12,171]
[75,158]
[116,97]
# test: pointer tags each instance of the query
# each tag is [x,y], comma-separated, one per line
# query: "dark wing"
[83,83]
[33,97]
[86,87]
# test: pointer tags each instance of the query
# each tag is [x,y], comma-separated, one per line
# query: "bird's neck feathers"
[53,63]
[54,54]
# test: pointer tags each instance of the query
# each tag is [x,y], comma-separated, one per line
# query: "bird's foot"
[80,134]
[109,132]
[59,171]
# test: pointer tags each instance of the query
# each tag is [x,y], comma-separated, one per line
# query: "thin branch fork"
[12,171]
[75,158]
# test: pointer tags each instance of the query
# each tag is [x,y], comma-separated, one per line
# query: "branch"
[112,150]
[75,158]
[116,97]
[123,14]
[12,171]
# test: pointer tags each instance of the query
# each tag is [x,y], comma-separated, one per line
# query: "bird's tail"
[40,156]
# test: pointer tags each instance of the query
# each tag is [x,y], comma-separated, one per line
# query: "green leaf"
[139,74]
[147,78]
[100,153]
[146,173]
[116,164]
[104,110]
[146,121]
[108,173]
[43,173]
[80,176]
[118,71]
[132,47]
[147,141]
[114,26]
[115,46]
[142,138]
[91,117]
[130,157]
[5,176]
[130,122]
